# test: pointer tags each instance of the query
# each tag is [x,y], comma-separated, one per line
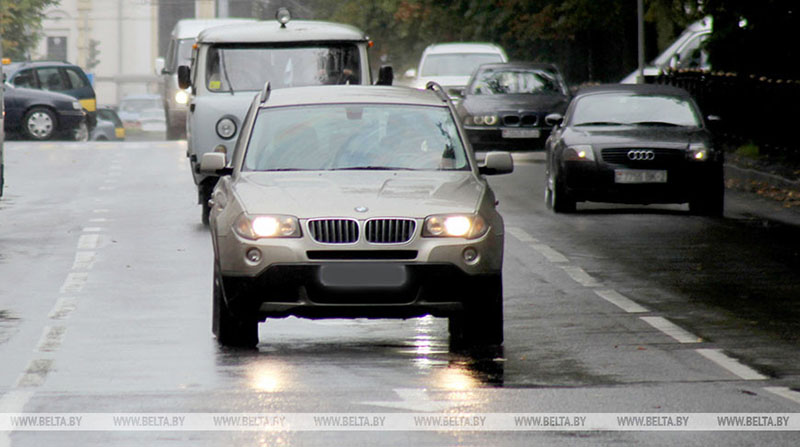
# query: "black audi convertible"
[638,144]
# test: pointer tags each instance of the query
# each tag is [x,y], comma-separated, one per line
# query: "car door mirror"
[497,163]
[554,119]
[184,77]
[213,163]
[385,75]
[159,66]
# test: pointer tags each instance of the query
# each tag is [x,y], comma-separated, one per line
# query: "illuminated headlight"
[469,226]
[481,120]
[260,227]
[76,105]
[226,128]
[181,97]
[698,152]
[582,152]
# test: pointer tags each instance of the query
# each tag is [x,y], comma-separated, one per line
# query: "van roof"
[271,31]
[463,47]
[190,28]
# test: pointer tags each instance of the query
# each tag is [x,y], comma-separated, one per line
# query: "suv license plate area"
[362,275]
[639,176]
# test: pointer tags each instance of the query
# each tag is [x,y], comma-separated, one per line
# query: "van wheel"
[231,330]
[480,324]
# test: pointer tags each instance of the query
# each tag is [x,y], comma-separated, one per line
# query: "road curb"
[733,172]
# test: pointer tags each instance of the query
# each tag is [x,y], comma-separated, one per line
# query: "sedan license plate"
[521,133]
[362,275]
[639,176]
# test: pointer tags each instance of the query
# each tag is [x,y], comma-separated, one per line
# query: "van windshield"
[456,64]
[231,69]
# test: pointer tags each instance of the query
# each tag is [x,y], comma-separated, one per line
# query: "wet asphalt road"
[105,308]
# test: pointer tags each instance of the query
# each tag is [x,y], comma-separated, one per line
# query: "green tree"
[20,25]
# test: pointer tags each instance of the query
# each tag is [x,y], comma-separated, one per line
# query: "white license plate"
[521,133]
[639,176]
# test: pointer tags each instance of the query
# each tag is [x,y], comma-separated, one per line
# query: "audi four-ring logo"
[641,155]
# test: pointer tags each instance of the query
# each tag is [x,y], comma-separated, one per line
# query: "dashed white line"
[621,301]
[92,229]
[732,365]
[36,373]
[580,276]
[84,260]
[51,339]
[63,308]
[784,392]
[679,334]
[521,234]
[551,255]
[88,241]
[98,220]
[74,282]
[13,401]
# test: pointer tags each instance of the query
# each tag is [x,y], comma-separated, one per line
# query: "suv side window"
[51,79]
[25,79]
[75,78]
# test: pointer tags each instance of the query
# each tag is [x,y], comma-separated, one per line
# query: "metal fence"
[756,110]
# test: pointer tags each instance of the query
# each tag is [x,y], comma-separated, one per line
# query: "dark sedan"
[505,105]
[638,144]
[43,115]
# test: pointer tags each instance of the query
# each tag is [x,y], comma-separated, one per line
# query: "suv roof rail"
[434,86]
[265,93]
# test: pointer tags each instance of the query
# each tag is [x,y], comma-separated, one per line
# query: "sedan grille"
[659,156]
[389,231]
[334,231]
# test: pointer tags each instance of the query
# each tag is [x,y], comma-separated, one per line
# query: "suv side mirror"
[385,75]
[184,77]
[159,66]
[497,163]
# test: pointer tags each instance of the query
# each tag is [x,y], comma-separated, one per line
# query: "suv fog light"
[254,255]
[470,255]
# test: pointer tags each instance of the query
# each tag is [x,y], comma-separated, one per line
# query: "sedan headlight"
[581,152]
[181,97]
[469,226]
[226,128]
[481,120]
[76,105]
[269,226]
[698,152]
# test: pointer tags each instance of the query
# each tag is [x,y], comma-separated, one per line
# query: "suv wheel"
[480,324]
[39,124]
[230,329]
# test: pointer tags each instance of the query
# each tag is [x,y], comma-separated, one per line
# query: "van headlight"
[266,226]
[469,226]
[181,97]
[226,128]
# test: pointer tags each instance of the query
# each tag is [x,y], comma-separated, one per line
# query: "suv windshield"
[516,81]
[355,136]
[248,68]
[634,109]
[456,64]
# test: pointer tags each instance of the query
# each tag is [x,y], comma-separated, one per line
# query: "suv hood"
[338,193]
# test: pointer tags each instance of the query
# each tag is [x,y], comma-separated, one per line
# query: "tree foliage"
[20,25]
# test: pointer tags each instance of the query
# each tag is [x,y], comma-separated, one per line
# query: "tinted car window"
[329,137]
[504,82]
[51,79]
[634,109]
[75,79]
[25,79]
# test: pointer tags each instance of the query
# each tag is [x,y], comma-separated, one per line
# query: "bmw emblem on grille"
[641,155]
[361,209]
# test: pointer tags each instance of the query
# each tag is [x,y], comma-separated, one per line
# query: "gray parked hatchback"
[355,201]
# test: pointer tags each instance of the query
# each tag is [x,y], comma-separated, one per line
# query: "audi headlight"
[581,152]
[481,120]
[698,152]
[226,128]
[181,97]
[469,226]
[76,105]
[272,226]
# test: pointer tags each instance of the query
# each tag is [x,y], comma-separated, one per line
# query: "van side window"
[76,79]
[25,79]
[51,79]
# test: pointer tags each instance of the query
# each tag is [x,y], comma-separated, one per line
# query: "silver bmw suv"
[355,201]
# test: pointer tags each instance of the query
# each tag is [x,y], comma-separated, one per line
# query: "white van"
[179,52]
[686,52]
[232,63]
[451,64]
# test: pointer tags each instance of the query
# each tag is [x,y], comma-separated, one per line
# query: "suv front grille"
[389,231]
[334,231]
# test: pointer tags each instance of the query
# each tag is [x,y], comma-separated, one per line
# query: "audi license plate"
[639,176]
[521,133]
[359,275]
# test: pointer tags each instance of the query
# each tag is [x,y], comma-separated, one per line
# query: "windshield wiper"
[286,169]
[656,123]
[372,168]
[600,123]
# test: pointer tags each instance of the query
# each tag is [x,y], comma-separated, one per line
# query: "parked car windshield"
[516,81]
[353,136]
[247,69]
[612,108]
[456,64]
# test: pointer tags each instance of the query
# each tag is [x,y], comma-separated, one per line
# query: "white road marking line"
[51,339]
[88,241]
[671,329]
[74,282]
[84,260]
[580,276]
[551,255]
[92,229]
[13,401]
[784,392]
[521,234]
[63,307]
[36,373]
[107,188]
[732,365]
[98,220]
[100,211]
[621,301]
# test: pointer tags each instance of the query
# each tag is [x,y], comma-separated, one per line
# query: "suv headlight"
[226,128]
[698,152]
[469,226]
[581,152]
[266,226]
